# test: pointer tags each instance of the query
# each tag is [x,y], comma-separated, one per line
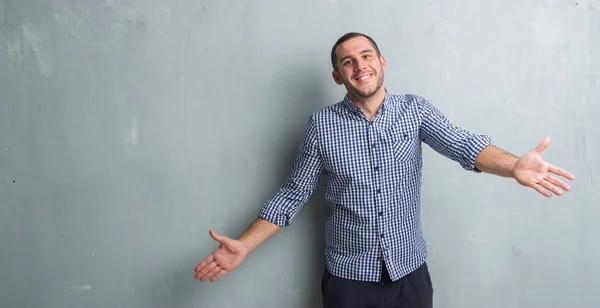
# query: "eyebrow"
[361,52]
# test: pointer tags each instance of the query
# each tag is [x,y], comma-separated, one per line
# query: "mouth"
[363,78]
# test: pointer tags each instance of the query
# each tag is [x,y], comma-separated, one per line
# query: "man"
[368,149]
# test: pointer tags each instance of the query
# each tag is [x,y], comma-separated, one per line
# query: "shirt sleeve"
[285,204]
[449,140]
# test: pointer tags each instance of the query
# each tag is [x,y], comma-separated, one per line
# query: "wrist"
[245,241]
[512,166]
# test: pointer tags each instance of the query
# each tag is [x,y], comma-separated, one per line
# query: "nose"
[359,64]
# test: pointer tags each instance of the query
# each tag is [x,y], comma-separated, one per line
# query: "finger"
[541,190]
[216,237]
[561,172]
[218,275]
[554,181]
[202,273]
[204,263]
[211,273]
[547,185]
[543,145]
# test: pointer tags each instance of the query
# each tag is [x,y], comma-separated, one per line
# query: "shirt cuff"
[473,148]
[273,213]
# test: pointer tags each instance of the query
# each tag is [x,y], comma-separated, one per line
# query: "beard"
[368,92]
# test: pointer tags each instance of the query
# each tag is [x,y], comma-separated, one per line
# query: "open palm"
[532,171]
[229,255]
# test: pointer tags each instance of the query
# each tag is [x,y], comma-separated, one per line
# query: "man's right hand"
[229,255]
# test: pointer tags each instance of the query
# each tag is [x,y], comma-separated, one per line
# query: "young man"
[368,149]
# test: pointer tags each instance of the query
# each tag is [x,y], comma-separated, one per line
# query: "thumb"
[543,145]
[216,236]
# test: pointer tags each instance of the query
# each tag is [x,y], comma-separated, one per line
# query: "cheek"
[347,74]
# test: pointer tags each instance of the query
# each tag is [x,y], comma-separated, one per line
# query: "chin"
[364,93]
[367,92]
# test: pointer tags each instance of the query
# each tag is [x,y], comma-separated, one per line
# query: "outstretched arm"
[257,233]
[494,160]
[231,253]
[529,170]
[277,212]
[478,153]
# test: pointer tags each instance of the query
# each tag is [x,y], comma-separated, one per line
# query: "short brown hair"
[346,37]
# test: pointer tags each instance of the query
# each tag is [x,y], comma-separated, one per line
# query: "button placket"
[378,191]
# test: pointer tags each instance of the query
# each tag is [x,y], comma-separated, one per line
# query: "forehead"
[354,46]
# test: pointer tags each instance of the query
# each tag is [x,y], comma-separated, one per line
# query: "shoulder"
[406,99]
[409,102]
[332,113]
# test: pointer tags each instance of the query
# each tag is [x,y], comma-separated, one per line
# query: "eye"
[348,62]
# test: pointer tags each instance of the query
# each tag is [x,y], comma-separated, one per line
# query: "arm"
[257,233]
[454,142]
[478,153]
[276,213]
[495,161]
[231,253]
[529,170]
[285,204]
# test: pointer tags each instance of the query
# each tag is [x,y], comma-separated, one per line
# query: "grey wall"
[128,129]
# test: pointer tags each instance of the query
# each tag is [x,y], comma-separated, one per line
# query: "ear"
[336,77]
[383,62]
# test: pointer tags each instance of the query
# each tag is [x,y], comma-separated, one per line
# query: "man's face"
[360,69]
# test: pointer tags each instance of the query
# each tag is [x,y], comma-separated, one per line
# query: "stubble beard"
[368,93]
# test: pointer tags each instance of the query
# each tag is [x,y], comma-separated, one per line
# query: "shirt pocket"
[403,143]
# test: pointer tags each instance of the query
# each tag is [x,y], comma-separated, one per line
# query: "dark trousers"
[411,291]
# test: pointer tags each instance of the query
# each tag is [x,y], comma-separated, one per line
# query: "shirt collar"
[357,111]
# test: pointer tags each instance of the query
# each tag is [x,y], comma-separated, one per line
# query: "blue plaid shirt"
[372,177]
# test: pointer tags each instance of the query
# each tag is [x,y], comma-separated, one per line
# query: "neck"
[369,105]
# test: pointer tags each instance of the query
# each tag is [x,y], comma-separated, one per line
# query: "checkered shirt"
[372,177]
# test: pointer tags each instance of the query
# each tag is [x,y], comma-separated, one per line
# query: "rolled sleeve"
[475,145]
[449,140]
[284,205]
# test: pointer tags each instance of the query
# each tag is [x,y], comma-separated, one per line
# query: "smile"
[361,78]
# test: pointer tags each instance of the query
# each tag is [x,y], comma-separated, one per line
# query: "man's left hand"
[532,171]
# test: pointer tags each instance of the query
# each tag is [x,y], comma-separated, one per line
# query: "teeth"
[364,77]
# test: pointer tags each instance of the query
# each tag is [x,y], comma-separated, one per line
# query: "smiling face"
[359,67]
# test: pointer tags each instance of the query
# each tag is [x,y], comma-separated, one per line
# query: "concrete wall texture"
[130,128]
